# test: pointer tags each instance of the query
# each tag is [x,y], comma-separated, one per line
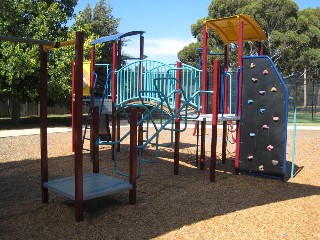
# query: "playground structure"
[179,90]
[143,88]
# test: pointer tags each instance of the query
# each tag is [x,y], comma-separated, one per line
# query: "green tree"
[97,22]
[19,63]
[292,35]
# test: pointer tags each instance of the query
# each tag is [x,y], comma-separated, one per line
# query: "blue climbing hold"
[262,110]
[250,101]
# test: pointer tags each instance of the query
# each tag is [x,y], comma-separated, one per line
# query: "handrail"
[294,136]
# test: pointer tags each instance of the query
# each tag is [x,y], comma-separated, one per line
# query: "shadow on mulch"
[165,202]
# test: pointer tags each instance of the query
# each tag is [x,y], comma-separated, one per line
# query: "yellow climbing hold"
[273,89]
[252,65]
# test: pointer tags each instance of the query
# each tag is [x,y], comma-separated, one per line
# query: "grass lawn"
[303,119]
[34,122]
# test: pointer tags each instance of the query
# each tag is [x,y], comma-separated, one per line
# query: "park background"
[169,28]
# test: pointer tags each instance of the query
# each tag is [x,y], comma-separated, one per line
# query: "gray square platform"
[94,185]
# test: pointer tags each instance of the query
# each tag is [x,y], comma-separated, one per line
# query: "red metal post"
[78,157]
[43,122]
[203,144]
[214,134]
[240,54]
[224,141]
[94,138]
[177,120]
[113,96]
[260,48]
[140,130]
[133,155]
[226,102]
[204,70]
[118,132]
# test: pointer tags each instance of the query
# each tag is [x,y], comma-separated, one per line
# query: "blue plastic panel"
[94,185]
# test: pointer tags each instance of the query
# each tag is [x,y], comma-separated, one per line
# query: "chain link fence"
[306,93]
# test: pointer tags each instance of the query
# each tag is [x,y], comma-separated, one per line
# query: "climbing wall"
[263,118]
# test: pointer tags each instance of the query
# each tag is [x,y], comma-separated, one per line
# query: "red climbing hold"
[265,126]
[265,72]
[276,119]
[270,148]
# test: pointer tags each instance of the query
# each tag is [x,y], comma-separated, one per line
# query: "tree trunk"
[15,117]
[305,87]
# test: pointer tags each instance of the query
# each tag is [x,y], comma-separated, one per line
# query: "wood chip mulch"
[187,206]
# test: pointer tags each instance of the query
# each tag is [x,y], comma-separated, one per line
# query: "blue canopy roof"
[115,37]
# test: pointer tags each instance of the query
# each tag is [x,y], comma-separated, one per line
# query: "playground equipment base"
[221,117]
[95,185]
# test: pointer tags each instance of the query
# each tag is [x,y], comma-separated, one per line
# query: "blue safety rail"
[229,79]
[163,96]
[138,76]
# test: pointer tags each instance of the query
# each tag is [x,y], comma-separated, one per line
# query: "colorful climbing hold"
[252,134]
[265,72]
[275,119]
[250,101]
[265,126]
[270,148]
[273,89]
[262,93]
[261,168]
[252,65]
[262,110]
[250,158]
[254,80]
[275,162]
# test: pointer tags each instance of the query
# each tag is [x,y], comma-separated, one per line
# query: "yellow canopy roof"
[227,28]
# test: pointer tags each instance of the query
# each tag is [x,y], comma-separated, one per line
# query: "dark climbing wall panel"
[263,118]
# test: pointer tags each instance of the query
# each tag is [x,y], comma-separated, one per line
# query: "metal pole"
[177,121]
[240,54]
[204,70]
[133,155]
[94,138]
[78,157]
[93,147]
[44,122]
[113,96]
[214,134]
[26,40]
[226,85]
[72,104]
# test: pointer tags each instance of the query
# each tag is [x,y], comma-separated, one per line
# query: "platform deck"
[94,185]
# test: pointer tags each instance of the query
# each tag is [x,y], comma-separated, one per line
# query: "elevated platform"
[95,185]
[221,117]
